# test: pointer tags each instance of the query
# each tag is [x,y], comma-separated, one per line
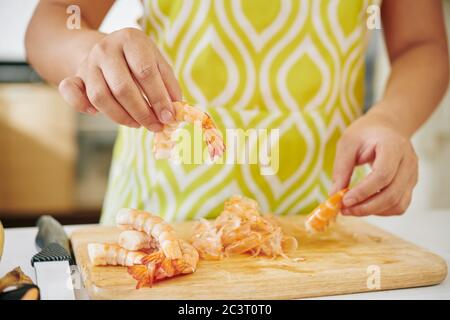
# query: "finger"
[344,164]
[73,91]
[127,93]
[387,160]
[398,209]
[388,198]
[99,95]
[404,203]
[169,79]
[146,71]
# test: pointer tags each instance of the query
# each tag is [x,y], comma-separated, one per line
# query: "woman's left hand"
[387,190]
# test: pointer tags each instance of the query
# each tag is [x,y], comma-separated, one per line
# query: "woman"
[292,65]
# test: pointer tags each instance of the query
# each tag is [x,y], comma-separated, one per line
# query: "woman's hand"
[387,190]
[118,72]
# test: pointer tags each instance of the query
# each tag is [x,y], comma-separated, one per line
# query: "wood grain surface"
[344,260]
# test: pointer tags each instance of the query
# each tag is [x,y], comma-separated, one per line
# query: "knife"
[52,263]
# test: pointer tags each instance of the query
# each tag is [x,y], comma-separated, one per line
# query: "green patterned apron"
[292,65]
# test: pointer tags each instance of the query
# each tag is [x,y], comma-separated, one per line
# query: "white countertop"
[429,230]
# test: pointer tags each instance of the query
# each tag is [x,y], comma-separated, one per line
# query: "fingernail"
[167,116]
[348,202]
[91,110]
[155,127]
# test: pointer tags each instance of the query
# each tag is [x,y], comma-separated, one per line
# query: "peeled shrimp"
[163,143]
[160,231]
[156,266]
[149,247]
[101,254]
[136,240]
[321,217]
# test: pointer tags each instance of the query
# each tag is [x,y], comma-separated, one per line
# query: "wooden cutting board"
[346,259]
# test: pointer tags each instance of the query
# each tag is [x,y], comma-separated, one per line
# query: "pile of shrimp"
[148,246]
[241,229]
[163,143]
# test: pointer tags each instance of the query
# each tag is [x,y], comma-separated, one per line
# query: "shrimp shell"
[153,226]
[321,217]
[101,254]
[239,229]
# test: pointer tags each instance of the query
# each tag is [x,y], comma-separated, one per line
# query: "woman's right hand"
[118,72]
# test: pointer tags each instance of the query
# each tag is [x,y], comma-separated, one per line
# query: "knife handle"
[52,252]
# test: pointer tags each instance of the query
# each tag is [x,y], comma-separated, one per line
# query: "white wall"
[14,17]
[124,13]
[15,14]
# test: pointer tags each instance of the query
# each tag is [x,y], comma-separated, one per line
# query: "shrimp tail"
[155,257]
[144,274]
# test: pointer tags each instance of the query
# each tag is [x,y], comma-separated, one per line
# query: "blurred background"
[55,161]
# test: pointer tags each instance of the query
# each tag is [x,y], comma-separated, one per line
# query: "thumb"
[344,164]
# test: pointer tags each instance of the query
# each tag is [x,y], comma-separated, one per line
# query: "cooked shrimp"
[136,241]
[160,231]
[149,247]
[321,217]
[163,143]
[239,229]
[156,266]
[101,254]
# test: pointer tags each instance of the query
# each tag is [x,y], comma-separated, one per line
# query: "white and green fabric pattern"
[292,65]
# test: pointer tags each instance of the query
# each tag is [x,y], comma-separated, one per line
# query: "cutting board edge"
[98,293]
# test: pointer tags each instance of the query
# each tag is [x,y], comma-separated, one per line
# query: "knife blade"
[52,263]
